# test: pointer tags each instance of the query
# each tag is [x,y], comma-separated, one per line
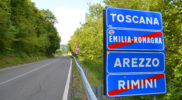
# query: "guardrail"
[88,89]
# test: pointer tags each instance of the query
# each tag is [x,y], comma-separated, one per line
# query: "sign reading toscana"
[134,30]
[133,19]
[131,65]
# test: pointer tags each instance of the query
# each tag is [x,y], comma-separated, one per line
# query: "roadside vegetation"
[26,33]
[8,61]
[90,39]
[63,51]
[78,92]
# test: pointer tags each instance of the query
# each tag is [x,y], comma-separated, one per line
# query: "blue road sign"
[132,85]
[133,19]
[118,39]
[135,62]
[129,72]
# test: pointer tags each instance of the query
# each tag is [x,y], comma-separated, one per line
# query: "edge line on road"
[21,75]
[19,65]
[66,89]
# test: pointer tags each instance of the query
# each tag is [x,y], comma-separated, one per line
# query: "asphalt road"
[44,80]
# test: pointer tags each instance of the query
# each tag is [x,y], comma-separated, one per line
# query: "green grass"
[78,91]
[76,99]
[9,61]
[95,71]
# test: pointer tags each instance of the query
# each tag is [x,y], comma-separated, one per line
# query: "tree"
[48,16]
[89,36]
[26,29]
[6,34]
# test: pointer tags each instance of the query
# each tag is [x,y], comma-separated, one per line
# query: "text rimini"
[134,19]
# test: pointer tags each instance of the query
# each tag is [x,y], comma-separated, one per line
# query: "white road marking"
[66,90]
[17,66]
[35,69]
[14,67]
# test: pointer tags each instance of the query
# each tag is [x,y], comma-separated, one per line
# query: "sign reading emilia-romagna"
[134,30]
[135,57]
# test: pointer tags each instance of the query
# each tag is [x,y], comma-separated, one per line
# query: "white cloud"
[68,21]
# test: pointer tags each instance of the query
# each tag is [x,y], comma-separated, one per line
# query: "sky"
[69,14]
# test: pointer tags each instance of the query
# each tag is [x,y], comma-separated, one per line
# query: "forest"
[26,31]
[90,39]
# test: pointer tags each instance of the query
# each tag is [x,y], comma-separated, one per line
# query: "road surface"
[43,80]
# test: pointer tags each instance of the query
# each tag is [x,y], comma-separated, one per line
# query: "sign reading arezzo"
[135,62]
[136,19]
[133,30]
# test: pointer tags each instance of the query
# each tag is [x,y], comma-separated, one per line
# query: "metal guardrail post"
[94,89]
[86,73]
[99,92]
[88,89]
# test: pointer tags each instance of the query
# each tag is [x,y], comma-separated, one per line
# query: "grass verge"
[78,92]
[9,61]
